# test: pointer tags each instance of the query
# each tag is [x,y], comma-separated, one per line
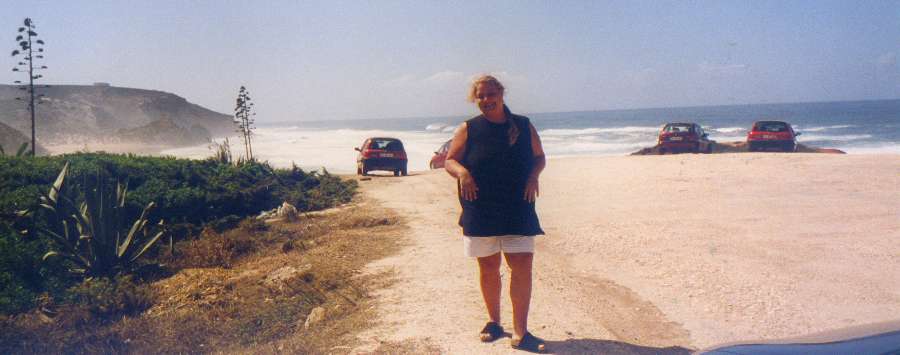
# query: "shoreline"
[275,156]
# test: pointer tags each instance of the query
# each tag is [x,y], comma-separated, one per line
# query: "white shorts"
[479,247]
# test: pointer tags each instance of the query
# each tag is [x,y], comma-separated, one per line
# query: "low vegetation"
[248,289]
[108,253]
[188,195]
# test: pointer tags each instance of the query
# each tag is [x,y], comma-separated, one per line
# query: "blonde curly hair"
[484,79]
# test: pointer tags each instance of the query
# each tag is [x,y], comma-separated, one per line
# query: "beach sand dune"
[660,254]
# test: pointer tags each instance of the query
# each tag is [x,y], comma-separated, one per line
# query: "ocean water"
[858,127]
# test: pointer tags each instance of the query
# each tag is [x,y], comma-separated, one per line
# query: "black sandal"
[491,331]
[529,343]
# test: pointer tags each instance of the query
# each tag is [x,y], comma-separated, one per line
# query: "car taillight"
[367,153]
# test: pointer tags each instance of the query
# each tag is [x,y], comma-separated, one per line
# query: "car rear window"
[391,145]
[672,128]
[771,127]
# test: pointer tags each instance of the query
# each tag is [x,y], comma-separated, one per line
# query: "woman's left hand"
[532,190]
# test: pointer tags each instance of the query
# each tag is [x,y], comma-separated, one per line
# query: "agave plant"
[92,235]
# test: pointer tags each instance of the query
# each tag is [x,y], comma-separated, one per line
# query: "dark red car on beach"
[683,137]
[437,161]
[776,135]
[379,153]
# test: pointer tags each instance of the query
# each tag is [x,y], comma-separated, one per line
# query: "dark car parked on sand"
[381,154]
[437,161]
[683,137]
[772,135]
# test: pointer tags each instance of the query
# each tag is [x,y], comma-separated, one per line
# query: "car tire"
[397,172]
[403,171]
[790,148]
[751,147]
[709,148]
[365,169]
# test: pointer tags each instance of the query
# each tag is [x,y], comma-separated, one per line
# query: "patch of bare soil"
[252,289]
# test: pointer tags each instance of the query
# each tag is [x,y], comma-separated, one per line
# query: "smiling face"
[489,99]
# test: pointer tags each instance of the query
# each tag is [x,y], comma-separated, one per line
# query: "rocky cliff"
[101,113]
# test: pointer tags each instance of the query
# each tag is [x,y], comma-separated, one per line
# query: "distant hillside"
[82,113]
[11,140]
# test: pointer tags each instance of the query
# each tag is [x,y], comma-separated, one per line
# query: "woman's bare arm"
[532,188]
[455,153]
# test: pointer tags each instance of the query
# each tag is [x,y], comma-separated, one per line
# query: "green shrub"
[188,194]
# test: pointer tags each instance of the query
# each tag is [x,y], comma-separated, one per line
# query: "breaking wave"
[588,131]
[834,138]
[823,128]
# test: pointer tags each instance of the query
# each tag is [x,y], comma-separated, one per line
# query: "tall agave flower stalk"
[31,50]
[243,118]
[92,235]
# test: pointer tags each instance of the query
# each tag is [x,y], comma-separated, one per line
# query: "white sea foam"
[588,131]
[728,129]
[331,149]
[839,138]
[593,148]
[313,149]
[822,128]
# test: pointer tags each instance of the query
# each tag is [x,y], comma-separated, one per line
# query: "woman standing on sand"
[496,158]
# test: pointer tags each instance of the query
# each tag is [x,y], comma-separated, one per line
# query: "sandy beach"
[661,254]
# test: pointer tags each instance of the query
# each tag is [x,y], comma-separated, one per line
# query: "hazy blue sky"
[305,60]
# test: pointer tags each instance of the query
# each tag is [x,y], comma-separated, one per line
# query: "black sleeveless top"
[500,171]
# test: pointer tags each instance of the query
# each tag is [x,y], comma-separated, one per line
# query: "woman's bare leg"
[520,289]
[489,267]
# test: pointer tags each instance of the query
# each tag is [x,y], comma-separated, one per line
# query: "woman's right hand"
[467,187]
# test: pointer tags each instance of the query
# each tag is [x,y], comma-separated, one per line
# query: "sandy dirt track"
[660,254]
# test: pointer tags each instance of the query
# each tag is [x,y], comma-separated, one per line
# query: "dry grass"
[231,293]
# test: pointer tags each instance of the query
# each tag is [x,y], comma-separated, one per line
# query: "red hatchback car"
[381,154]
[683,137]
[772,134]
[437,161]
